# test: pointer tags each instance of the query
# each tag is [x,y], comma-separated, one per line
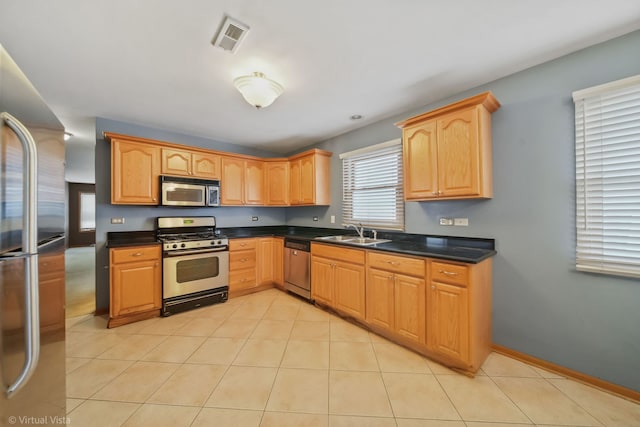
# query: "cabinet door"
[232,182]
[294,182]
[136,287]
[266,271]
[448,321]
[322,279]
[205,165]
[176,162]
[277,183]
[380,298]
[458,154]
[278,261]
[420,151]
[135,171]
[254,182]
[349,283]
[307,180]
[409,297]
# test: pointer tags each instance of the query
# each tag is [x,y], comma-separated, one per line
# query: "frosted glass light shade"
[258,90]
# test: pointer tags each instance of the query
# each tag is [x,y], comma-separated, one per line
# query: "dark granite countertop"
[463,249]
[119,239]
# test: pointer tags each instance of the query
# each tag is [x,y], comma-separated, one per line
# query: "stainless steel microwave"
[178,191]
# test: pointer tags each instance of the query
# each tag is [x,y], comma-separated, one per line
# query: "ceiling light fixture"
[258,90]
[67,136]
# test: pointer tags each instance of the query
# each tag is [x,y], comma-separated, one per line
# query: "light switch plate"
[446,221]
[333,219]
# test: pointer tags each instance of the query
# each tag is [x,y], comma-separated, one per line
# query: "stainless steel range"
[195,263]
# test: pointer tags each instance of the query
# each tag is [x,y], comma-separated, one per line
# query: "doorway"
[80,259]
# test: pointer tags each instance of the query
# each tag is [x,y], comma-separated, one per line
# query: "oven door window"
[197,269]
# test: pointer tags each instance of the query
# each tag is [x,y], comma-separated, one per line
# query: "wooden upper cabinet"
[135,172]
[193,164]
[205,165]
[276,183]
[254,182]
[310,178]
[232,182]
[242,181]
[447,152]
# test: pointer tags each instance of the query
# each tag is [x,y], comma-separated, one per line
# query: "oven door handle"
[194,252]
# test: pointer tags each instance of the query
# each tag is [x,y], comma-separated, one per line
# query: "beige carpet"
[80,270]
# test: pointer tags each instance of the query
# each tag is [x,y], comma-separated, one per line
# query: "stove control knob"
[213,242]
[175,245]
[183,245]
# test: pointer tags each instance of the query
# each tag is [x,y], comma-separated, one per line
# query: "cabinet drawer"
[240,260]
[398,264]
[355,256]
[241,244]
[135,254]
[242,278]
[449,273]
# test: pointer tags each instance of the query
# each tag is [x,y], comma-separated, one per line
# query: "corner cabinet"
[310,178]
[135,172]
[136,284]
[447,152]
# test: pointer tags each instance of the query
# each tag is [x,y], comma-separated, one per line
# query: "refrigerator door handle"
[29,248]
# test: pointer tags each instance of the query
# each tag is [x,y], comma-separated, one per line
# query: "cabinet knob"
[435,193]
[155,199]
[433,286]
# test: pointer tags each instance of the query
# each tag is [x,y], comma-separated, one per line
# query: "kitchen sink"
[354,240]
[338,238]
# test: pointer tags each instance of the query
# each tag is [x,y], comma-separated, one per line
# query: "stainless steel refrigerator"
[32,294]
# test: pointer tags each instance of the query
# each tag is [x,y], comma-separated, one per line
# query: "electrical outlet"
[461,221]
[117,220]
[333,219]
[446,221]
[315,218]
[254,218]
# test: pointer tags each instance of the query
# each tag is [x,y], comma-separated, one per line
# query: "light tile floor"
[270,359]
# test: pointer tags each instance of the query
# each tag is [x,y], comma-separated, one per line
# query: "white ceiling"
[151,62]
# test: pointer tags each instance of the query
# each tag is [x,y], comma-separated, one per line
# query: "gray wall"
[142,217]
[79,158]
[542,306]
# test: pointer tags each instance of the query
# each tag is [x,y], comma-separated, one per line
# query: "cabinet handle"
[433,286]
[435,193]
[137,254]
[244,260]
[448,273]
[243,244]
[393,262]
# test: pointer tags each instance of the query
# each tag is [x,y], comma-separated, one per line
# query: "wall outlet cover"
[461,222]
[333,219]
[117,220]
[254,218]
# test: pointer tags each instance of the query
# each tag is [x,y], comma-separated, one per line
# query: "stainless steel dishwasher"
[297,267]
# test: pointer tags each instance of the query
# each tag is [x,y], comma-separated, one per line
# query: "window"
[372,186]
[608,178]
[87,211]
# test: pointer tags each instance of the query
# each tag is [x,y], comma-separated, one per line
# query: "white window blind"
[372,186]
[608,178]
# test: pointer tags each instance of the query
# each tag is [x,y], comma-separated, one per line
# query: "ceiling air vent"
[230,35]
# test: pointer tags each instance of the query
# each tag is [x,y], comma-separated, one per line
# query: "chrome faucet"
[360,229]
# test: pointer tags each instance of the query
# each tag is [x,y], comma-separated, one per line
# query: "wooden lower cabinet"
[278,261]
[242,265]
[459,312]
[396,301]
[338,278]
[136,284]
